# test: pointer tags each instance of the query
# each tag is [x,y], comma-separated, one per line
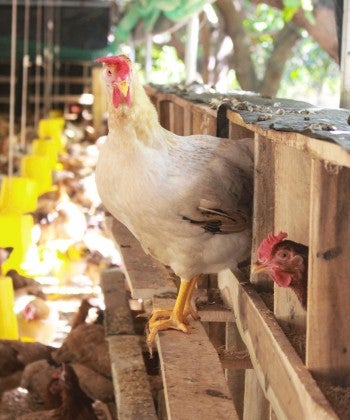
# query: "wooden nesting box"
[302,187]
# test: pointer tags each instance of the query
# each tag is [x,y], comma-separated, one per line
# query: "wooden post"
[256,406]
[235,378]
[100,99]
[345,58]
[292,192]
[264,194]
[328,317]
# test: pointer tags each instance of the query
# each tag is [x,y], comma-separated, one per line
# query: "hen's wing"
[220,184]
[219,222]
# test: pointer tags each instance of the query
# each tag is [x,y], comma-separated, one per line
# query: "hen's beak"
[258,267]
[123,87]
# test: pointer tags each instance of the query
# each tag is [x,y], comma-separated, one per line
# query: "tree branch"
[284,42]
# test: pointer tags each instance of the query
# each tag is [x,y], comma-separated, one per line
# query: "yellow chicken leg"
[189,309]
[175,318]
[160,313]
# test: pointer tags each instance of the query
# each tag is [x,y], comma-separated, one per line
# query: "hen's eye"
[283,254]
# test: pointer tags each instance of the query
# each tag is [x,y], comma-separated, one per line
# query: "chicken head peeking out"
[187,199]
[285,262]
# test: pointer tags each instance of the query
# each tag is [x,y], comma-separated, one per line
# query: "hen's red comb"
[122,62]
[265,248]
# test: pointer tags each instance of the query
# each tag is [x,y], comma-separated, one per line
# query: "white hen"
[186,199]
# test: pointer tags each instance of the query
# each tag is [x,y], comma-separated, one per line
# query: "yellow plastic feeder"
[38,168]
[16,232]
[46,147]
[52,128]
[8,320]
[18,194]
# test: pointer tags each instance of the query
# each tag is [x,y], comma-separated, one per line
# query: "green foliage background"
[310,74]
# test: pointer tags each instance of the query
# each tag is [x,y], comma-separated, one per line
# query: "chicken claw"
[164,319]
[164,324]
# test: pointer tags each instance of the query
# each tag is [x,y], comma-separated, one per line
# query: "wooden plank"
[236,378]
[118,319]
[236,131]
[292,185]
[192,389]
[255,404]
[287,384]
[235,360]
[203,120]
[264,197]
[215,313]
[329,152]
[164,112]
[258,407]
[186,115]
[145,276]
[132,390]
[329,287]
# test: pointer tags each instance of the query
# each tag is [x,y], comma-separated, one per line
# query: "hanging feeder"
[16,232]
[46,147]
[52,128]
[18,194]
[38,168]
[8,320]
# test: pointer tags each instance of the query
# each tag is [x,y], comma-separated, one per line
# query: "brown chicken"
[285,262]
[14,356]
[86,344]
[76,405]
[25,285]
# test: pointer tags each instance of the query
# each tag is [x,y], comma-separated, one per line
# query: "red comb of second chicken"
[265,248]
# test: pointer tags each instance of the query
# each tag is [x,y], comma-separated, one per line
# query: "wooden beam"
[345,57]
[145,276]
[330,152]
[118,318]
[132,390]
[328,332]
[291,183]
[194,383]
[286,382]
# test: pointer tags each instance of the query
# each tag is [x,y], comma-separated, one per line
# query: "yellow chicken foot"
[160,313]
[176,318]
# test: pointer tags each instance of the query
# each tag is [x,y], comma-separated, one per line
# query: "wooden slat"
[215,313]
[292,175]
[145,275]
[130,380]
[194,383]
[203,120]
[256,406]
[315,148]
[287,384]
[118,318]
[328,332]
[264,194]
[133,395]
[186,123]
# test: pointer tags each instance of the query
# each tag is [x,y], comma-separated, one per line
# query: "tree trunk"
[284,42]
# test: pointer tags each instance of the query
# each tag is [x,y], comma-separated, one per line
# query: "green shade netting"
[148,11]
